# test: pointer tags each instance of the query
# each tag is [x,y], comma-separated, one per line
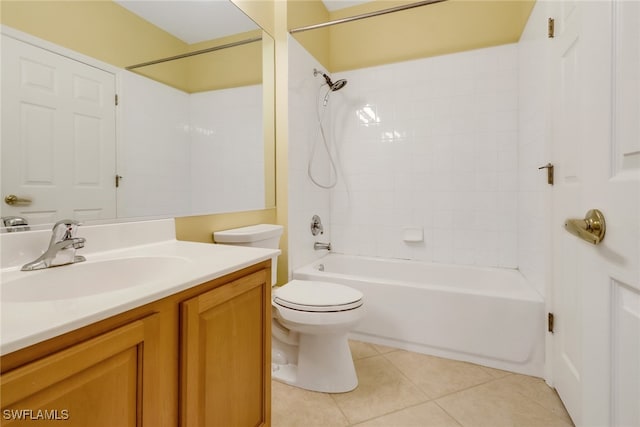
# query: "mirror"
[193,136]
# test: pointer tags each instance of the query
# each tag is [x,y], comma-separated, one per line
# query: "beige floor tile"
[436,376]
[382,389]
[295,407]
[424,415]
[360,350]
[538,391]
[501,403]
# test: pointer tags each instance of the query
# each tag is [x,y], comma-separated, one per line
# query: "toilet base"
[324,364]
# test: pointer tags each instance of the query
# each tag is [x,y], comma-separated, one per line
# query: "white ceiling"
[332,5]
[193,21]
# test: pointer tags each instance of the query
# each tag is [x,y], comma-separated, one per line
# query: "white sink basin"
[88,278]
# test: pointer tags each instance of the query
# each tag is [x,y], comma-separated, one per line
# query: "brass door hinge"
[116,98]
[549,168]
[551,28]
[550,322]
[118,179]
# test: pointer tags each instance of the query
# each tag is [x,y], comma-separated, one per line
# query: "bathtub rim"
[530,293]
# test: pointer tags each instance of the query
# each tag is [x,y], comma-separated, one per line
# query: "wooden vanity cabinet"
[99,382]
[200,357]
[226,368]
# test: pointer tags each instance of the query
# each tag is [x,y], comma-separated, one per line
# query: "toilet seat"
[315,296]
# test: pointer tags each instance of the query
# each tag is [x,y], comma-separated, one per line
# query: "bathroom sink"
[89,278]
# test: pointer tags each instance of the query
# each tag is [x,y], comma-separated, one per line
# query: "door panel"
[627,87]
[595,143]
[568,162]
[58,135]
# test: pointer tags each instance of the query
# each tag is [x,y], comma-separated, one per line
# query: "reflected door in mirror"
[58,136]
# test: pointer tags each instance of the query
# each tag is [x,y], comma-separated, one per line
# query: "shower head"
[338,85]
[333,86]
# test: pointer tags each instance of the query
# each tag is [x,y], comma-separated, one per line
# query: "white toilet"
[310,322]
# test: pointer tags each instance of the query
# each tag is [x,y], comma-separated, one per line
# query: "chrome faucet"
[320,246]
[15,223]
[62,247]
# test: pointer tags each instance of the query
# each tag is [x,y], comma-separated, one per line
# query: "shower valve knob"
[316,225]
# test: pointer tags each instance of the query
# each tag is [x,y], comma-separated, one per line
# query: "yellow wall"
[301,13]
[200,228]
[108,32]
[269,122]
[233,67]
[281,36]
[226,68]
[97,28]
[437,29]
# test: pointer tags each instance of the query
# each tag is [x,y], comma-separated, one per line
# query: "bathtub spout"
[320,246]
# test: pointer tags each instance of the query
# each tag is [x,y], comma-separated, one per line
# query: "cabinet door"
[226,342]
[99,382]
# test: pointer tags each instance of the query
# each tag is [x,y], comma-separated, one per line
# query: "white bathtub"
[488,316]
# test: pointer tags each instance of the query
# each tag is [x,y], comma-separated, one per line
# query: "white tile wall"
[305,199]
[184,154]
[227,150]
[430,143]
[534,196]
[153,148]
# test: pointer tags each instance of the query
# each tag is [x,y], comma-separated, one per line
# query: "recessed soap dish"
[412,234]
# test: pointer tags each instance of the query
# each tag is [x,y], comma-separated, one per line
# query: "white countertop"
[27,323]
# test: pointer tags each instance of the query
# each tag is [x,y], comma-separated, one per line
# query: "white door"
[596,151]
[58,136]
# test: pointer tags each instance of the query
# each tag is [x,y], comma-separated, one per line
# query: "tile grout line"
[436,401]
[429,399]
[349,423]
[491,378]
[468,388]
[449,414]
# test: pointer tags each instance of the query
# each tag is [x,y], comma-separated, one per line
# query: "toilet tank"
[257,236]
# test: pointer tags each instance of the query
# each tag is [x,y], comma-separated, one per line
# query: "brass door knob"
[591,229]
[14,200]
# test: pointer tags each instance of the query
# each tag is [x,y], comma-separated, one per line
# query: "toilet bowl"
[310,326]
[310,323]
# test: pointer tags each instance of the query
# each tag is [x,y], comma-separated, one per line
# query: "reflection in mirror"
[190,133]
[202,133]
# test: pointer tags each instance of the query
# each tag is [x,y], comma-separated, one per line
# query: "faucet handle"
[64,229]
[67,222]
[15,223]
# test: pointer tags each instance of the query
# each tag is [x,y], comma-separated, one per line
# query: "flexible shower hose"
[320,117]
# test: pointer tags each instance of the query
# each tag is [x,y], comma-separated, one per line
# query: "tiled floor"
[400,388]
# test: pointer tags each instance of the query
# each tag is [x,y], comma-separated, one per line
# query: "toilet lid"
[308,295]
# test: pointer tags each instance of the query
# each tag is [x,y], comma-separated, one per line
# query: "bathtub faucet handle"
[316,225]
